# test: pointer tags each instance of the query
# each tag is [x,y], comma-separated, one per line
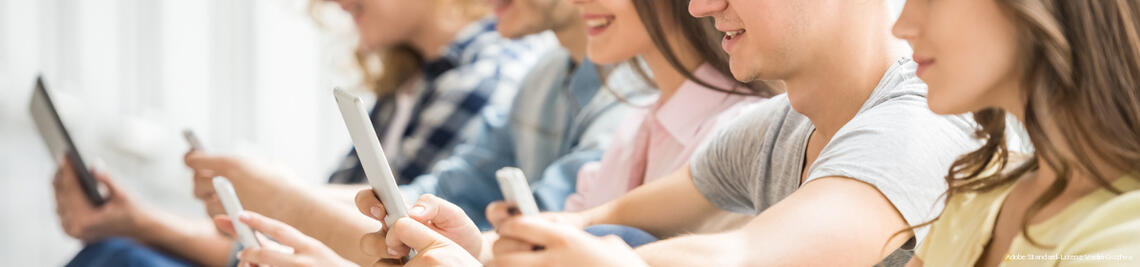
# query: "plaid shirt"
[479,70]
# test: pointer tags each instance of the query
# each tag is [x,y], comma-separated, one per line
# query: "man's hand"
[119,216]
[533,241]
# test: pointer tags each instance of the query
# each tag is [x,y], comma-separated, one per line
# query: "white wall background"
[250,76]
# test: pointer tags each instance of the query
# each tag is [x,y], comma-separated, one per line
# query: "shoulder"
[1110,228]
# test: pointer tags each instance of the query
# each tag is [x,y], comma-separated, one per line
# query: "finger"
[283,233]
[223,223]
[510,245]
[416,235]
[269,257]
[221,165]
[432,210]
[369,205]
[372,244]
[64,180]
[114,189]
[203,188]
[537,231]
[497,212]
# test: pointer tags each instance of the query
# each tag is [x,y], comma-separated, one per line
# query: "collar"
[693,104]
[468,41]
[584,82]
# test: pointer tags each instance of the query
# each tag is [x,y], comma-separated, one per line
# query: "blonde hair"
[384,71]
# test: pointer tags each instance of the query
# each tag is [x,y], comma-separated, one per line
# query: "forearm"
[725,249]
[342,193]
[664,208]
[196,240]
[336,224]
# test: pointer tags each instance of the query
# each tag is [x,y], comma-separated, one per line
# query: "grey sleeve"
[903,150]
[725,169]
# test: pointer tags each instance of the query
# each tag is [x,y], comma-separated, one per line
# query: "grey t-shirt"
[894,143]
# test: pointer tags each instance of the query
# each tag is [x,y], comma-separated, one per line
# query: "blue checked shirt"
[478,71]
[559,121]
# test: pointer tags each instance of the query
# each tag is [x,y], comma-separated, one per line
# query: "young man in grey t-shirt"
[836,170]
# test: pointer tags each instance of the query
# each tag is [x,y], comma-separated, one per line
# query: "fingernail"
[375,212]
[392,252]
[244,216]
[417,210]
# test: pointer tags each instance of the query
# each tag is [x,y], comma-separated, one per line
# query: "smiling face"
[518,18]
[968,64]
[615,30]
[763,43]
[386,23]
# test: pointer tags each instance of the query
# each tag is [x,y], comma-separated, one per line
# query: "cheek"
[972,68]
[623,40]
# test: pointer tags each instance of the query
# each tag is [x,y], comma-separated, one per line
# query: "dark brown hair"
[700,34]
[1081,63]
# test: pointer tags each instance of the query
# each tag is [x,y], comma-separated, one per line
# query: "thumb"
[416,235]
[114,189]
[440,213]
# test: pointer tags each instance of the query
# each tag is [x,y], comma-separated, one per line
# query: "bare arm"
[189,239]
[336,224]
[664,208]
[832,221]
[310,209]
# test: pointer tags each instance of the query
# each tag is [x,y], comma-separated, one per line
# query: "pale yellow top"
[1102,227]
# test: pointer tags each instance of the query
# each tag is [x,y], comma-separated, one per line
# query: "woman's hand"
[119,216]
[296,249]
[442,217]
[533,241]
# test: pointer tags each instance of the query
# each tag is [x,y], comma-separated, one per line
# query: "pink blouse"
[655,142]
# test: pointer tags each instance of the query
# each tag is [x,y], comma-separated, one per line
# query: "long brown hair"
[700,34]
[1082,68]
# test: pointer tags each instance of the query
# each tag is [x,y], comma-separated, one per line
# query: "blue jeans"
[123,252]
[632,236]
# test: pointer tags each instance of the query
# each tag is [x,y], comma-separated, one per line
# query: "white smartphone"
[371,156]
[229,198]
[516,190]
[195,143]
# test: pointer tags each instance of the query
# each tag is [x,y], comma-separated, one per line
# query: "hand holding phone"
[228,196]
[516,190]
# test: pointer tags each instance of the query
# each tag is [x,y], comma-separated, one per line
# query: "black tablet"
[59,142]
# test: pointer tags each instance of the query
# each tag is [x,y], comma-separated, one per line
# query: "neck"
[1082,181]
[572,36]
[433,37]
[667,78]
[847,76]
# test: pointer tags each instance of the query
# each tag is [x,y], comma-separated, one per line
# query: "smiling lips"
[499,6]
[596,24]
[730,38]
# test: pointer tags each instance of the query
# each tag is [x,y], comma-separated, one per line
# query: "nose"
[908,24]
[705,8]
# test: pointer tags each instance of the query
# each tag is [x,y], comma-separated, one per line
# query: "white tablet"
[371,155]
[230,202]
[516,190]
